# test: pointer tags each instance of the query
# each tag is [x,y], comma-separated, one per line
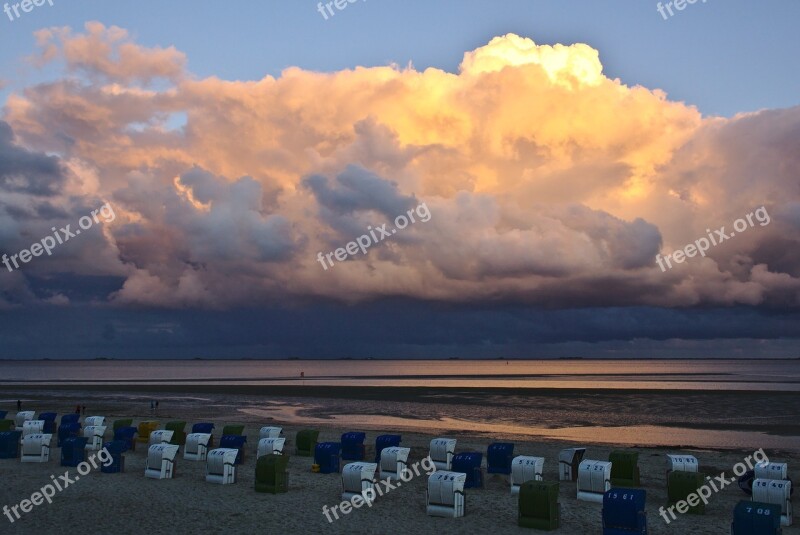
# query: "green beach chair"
[305,442]
[7,425]
[271,473]
[538,505]
[125,422]
[682,484]
[178,432]
[233,430]
[624,469]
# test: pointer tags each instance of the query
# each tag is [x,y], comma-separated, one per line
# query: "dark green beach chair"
[6,425]
[178,432]
[538,505]
[624,469]
[305,442]
[682,484]
[125,422]
[271,473]
[233,430]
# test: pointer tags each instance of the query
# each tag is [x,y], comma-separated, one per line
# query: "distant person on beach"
[19,405]
[77,409]
[84,410]
[152,405]
[156,404]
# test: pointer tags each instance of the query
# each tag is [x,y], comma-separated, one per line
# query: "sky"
[547,158]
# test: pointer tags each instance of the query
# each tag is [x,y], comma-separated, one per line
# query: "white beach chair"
[270,432]
[31,427]
[221,466]
[358,479]
[682,463]
[568,461]
[36,448]
[394,462]
[778,492]
[22,417]
[95,434]
[446,494]
[441,452]
[524,468]
[94,420]
[161,461]
[161,436]
[196,448]
[778,471]
[267,446]
[594,479]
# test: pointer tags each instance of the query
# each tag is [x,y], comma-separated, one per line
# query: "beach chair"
[358,479]
[22,417]
[73,451]
[36,448]
[594,480]
[568,462]
[681,484]
[127,435]
[469,463]
[771,471]
[525,468]
[178,432]
[625,468]
[9,444]
[115,449]
[49,419]
[160,436]
[682,463]
[624,512]
[94,420]
[538,505]
[94,434]
[124,422]
[326,456]
[271,474]
[267,446]
[498,458]
[221,466]
[306,442]
[66,431]
[394,462]
[197,446]
[445,496]
[7,425]
[145,428]
[756,518]
[161,461]
[353,446]
[3,414]
[778,492]
[233,430]
[270,432]
[32,427]
[205,428]
[441,452]
[71,418]
[385,441]
[236,442]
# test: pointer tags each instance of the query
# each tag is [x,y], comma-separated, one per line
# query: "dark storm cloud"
[24,171]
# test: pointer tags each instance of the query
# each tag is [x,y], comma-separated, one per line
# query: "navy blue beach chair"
[623,512]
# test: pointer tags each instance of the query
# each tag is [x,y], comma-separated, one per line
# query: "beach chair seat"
[385,441]
[445,496]
[116,449]
[66,431]
[94,420]
[49,419]
[22,417]
[160,436]
[178,432]
[235,429]
[624,512]
[353,446]
[145,428]
[441,452]
[71,418]
[73,451]
[681,484]
[306,442]
[498,458]
[270,432]
[197,446]
[268,446]
[7,425]
[682,463]
[205,428]
[394,462]
[326,455]
[525,468]
[568,462]
[271,474]
[123,422]
[94,434]
[221,466]
[358,479]
[625,468]
[756,518]
[36,448]
[778,492]
[538,505]
[127,435]
[32,427]
[236,442]
[469,462]
[9,444]
[594,479]
[771,471]
[161,461]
